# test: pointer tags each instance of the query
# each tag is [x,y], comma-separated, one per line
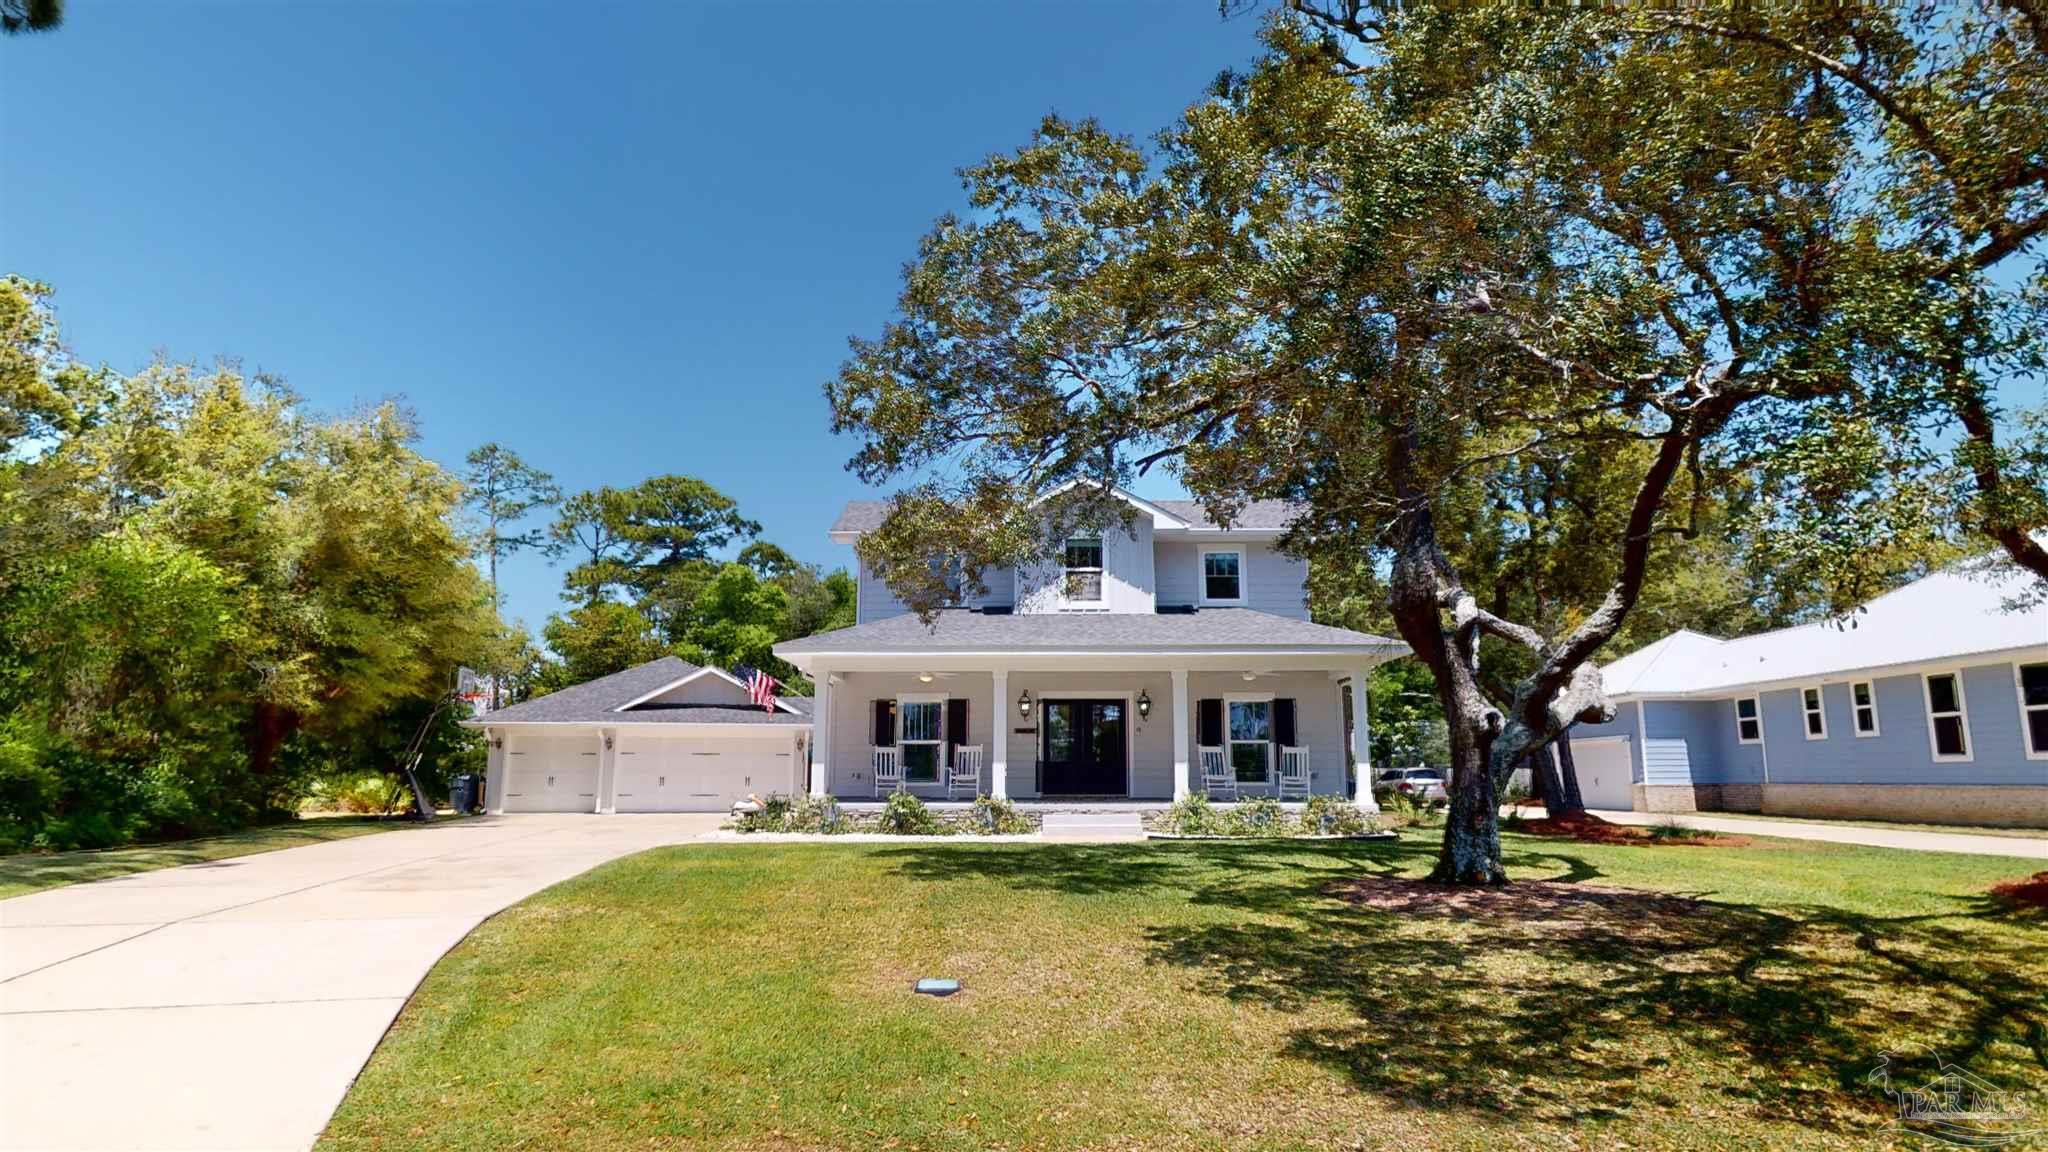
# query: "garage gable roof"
[599,702]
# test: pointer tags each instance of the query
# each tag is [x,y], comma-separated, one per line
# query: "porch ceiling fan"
[928,677]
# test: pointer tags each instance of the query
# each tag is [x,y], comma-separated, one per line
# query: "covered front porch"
[1135,734]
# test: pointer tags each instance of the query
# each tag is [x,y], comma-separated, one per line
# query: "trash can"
[462,793]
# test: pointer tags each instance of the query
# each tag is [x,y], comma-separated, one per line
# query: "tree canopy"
[1420,251]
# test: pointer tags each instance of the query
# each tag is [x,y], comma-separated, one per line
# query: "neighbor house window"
[1863,706]
[918,721]
[1815,708]
[1749,723]
[1948,721]
[1251,739]
[2033,684]
[1223,576]
[1082,578]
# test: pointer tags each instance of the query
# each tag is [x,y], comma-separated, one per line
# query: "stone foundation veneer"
[1983,804]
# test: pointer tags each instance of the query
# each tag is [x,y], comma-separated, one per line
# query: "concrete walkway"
[1916,841]
[228,1005]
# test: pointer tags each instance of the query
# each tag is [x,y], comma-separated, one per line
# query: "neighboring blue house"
[1929,704]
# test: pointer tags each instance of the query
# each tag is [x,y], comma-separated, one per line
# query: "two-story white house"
[1171,657]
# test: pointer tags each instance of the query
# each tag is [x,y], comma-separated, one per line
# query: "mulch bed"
[2029,893]
[1593,830]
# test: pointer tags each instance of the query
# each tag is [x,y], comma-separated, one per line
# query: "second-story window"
[1082,579]
[1222,576]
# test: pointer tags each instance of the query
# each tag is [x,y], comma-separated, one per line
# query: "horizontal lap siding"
[877,602]
[1318,718]
[1274,581]
[1150,746]
[1899,753]
[850,773]
[1666,762]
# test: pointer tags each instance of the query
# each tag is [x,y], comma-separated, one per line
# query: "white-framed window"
[920,725]
[1248,736]
[1749,721]
[1814,709]
[1081,571]
[1948,716]
[1222,575]
[2031,680]
[1863,707]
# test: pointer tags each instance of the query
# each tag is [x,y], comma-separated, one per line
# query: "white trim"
[1127,696]
[679,727]
[721,673]
[1876,721]
[2019,688]
[1962,713]
[1244,591]
[2023,653]
[1271,779]
[1820,708]
[1139,502]
[1757,700]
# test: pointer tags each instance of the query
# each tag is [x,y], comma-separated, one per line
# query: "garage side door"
[1606,774]
[551,772]
[698,773]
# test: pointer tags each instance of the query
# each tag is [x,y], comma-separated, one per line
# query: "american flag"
[760,686]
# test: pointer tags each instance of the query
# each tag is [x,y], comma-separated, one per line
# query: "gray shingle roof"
[594,701]
[1257,516]
[970,631]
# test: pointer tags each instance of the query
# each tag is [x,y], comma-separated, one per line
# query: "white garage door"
[1604,773]
[551,772]
[700,773]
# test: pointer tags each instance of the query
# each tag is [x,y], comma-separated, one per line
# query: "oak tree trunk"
[1568,798]
[1471,849]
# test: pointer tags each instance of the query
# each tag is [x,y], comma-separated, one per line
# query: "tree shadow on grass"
[1562,1000]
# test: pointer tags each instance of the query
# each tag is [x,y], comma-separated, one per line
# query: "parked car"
[1416,783]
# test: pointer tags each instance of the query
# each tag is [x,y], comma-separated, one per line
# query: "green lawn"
[31,871]
[1962,829]
[1213,996]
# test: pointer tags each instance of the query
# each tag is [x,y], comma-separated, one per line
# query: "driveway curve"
[228,1005]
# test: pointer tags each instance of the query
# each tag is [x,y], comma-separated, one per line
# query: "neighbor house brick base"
[2011,807]
[1698,798]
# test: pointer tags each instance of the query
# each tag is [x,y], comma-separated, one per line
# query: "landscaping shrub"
[993,817]
[804,812]
[1335,816]
[1190,816]
[1261,816]
[906,815]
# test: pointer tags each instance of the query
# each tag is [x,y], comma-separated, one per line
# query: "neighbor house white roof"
[1951,616]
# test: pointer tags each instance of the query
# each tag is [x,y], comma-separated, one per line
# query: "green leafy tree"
[18,16]
[597,640]
[1410,243]
[670,520]
[588,529]
[502,489]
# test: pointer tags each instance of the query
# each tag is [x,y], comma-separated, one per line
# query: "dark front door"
[1084,748]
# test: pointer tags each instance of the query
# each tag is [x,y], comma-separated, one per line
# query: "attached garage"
[1606,769]
[551,771]
[665,736]
[691,772]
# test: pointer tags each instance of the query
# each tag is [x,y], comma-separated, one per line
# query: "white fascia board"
[2027,654]
[1345,659]
[680,727]
[847,536]
[1161,518]
[721,673]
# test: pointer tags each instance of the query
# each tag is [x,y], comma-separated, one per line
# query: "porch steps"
[1100,824]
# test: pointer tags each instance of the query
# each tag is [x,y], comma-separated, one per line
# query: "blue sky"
[626,243]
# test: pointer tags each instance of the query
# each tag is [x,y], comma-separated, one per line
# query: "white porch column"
[1180,734]
[998,737]
[1361,741]
[821,733]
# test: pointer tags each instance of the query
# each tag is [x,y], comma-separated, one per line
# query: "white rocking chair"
[965,774]
[888,769]
[1219,779]
[1293,773]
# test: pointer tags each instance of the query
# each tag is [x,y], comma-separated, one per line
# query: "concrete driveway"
[228,1005]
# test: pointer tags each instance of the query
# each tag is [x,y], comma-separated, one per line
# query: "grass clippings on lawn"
[1247,996]
[33,871]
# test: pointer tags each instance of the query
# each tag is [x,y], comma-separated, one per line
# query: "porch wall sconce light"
[1144,703]
[1024,703]
[607,741]
[498,741]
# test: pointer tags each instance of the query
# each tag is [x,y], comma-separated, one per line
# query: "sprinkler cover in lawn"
[931,986]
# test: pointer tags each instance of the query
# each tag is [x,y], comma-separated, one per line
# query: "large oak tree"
[1416,245]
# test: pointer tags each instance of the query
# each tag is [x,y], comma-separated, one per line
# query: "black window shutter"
[885,723]
[1283,722]
[1209,723]
[956,720]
